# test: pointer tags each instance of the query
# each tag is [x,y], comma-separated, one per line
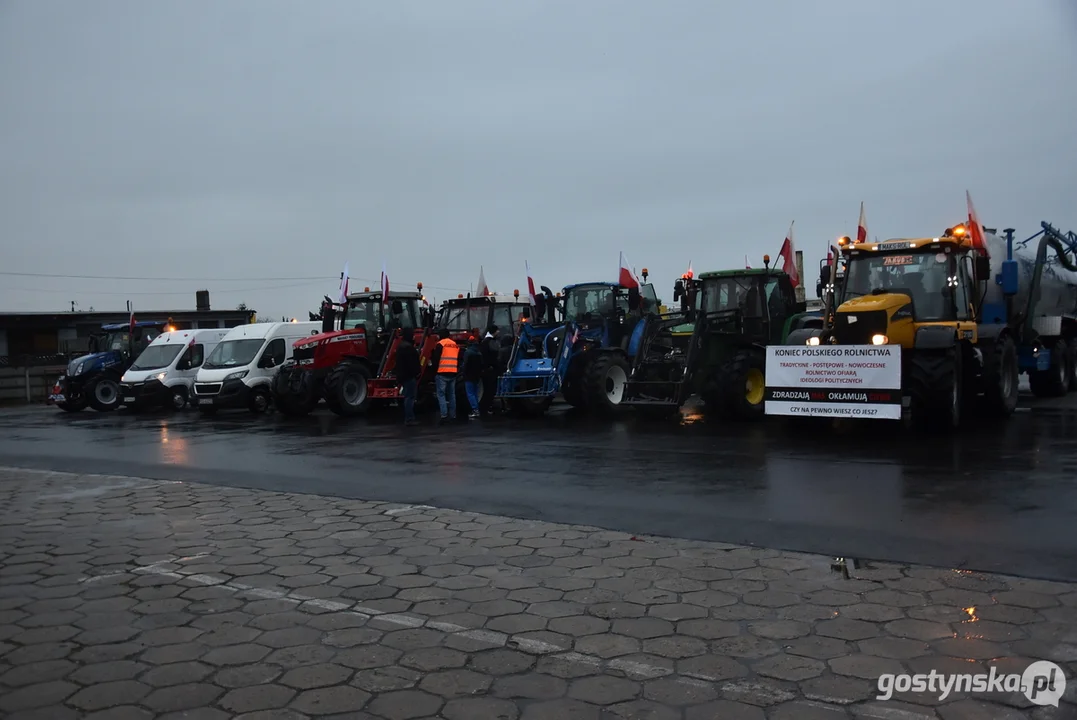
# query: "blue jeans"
[446,389]
[472,389]
[408,390]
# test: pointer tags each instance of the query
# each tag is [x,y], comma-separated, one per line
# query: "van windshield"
[158,356]
[233,353]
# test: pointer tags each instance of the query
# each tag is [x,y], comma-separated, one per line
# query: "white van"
[238,373]
[164,373]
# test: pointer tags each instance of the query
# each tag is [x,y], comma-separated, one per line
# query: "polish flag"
[688,273]
[484,289]
[976,230]
[131,321]
[862,226]
[625,276]
[789,260]
[829,257]
[530,285]
[342,293]
[384,284]
[747,265]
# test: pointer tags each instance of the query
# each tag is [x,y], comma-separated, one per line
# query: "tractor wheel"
[1072,347]
[293,392]
[530,407]
[934,382]
[104,393]
[742,385]
[572,392]
[177,398]
[1054,381]
[346,389]
[72,407]
[261,400]
[605,380]
[1001,377]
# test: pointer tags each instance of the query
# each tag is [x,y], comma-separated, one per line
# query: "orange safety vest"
[450,351]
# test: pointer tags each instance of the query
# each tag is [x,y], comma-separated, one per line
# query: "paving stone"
[891,647]
[247,675]
[808,710]
[315,676]
[923,630]
[175,674]
[455,683]
[642,628]
[480,709]
[251,699]
[726,710]
[43,695]
[181,697]
[502,662]
[712,668]
[103,695]
[405,704]
[607,645]
[673,693]
[745,646]
[866,667]
[708,629]
[330,700]
[383,679]
[838,690]
[675,646]
[604,690]
[789,667]
[641,710]
[430,659]
[38,672]
[565,709]
[845,629]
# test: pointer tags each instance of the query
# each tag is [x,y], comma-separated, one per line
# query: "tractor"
[732,316]
[94,379]
[967,315]
[338,363]
[587,355]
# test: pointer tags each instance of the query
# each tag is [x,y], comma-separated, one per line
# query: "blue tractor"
[585,356]
[94,380]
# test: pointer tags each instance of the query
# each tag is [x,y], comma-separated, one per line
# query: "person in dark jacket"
[408,369]
[473,371]
[491,349]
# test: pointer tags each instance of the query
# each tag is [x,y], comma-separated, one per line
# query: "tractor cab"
[607,311]
[755,304]
[892,286]
[467,315]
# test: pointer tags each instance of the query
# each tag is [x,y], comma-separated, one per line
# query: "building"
[36,337]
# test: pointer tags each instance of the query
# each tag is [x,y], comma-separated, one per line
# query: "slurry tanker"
[967,311]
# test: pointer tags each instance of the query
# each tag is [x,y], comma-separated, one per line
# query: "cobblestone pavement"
[130,598]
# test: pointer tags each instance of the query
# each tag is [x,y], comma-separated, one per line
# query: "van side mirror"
[982,269]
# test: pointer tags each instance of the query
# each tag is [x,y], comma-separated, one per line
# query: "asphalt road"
[996,498]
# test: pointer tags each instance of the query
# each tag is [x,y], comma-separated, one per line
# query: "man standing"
[473,374]
[444,357]
[491,347]
[408,370]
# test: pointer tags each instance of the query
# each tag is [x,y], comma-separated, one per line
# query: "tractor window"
[594,300]
[362,314]
[963,290]
[729,293]
[922,276]
[457,318]
[648,298]
[405,318]
[505,317]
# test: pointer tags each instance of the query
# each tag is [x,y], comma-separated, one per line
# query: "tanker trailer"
[1034,295]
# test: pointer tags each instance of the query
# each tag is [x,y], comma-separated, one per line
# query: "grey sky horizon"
[250,146]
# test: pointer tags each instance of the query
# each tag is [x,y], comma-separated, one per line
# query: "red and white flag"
[625,276]
[131,320]
[688,273]
[747,265]
[862,226]
[484,289]
[829,257]
[342,292]
[789,258]
[530,285]
[384,284]
[976,230]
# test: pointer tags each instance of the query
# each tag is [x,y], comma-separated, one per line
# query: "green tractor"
[715,345]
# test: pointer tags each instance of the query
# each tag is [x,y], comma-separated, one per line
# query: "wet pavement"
[997,498]
[123,597]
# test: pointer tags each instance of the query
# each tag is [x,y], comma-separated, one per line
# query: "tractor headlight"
[813,340]
[879,339]
[78,369]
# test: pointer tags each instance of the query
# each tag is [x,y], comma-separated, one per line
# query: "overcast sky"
[250,145]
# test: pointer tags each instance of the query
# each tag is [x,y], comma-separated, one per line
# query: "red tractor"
[463,316]
[338,364]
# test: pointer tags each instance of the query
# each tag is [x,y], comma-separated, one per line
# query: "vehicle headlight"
[237,375]
[125,378]
[161,375]
[879,339]
[813,340]
[78,368]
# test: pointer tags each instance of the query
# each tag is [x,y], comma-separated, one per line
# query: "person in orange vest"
[445,358]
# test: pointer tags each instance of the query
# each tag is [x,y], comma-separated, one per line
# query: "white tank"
[1058,286]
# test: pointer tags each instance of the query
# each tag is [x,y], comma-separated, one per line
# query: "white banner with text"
[854,381]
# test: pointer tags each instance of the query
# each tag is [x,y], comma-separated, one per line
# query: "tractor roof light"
[366,289]
[844,240]
[419,286]
[516,293]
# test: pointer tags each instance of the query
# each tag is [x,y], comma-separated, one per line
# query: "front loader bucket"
[539,360]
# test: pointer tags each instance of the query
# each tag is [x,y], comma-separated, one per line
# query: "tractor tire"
[104,393]
[72,407]
[1055,380]
[572,392]
[346,389]
[1001,377]
[742,385]
[530,407]
[177,398]
[935,385]
[261,400]
[294,393]
[1072,347]
[605,379]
